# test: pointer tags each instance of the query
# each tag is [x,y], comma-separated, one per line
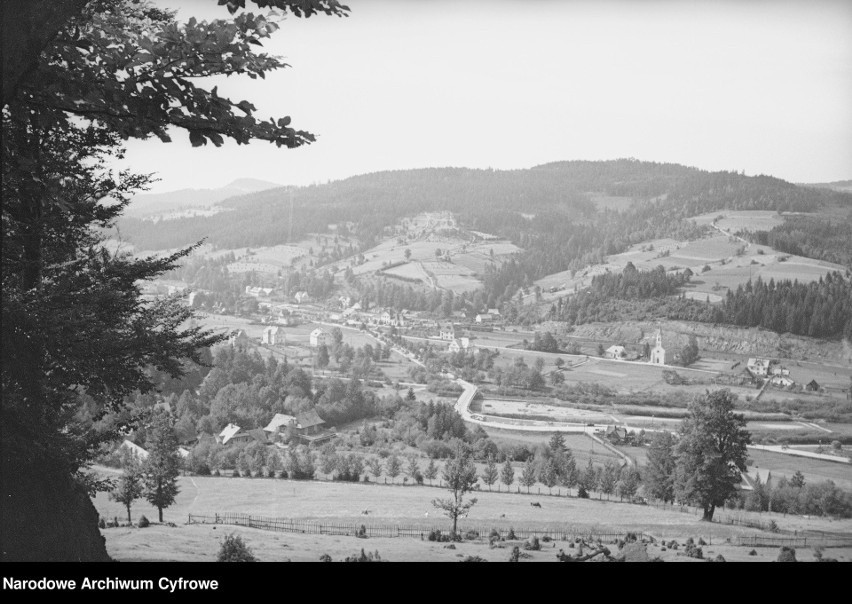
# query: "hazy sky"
[760,86]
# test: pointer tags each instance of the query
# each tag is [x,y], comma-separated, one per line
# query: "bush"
[436,535]
[511,536]
[362,532]
[533,544]
[474,559]
[753,552]
[787,554]
[701,541]
[494,535]
[234,550]
[773,527]
[719,558]
[102,523]
[371,557]
[325,558]
[471,535]
[582,493]
[693,551]
[516,554]
[143,522]
[547,539]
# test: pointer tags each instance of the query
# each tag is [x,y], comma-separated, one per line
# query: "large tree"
[78,78]
[460,475]
[711,453]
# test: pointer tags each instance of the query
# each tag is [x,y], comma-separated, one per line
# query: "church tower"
[659,356]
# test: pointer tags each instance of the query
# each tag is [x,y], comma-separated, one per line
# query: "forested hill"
[556,194]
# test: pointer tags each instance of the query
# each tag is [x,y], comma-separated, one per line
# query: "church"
[659,355]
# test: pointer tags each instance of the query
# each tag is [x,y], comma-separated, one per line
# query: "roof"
[615,348]
[318,331]
[229,432]
[134,449]
[278,421]
[309,419]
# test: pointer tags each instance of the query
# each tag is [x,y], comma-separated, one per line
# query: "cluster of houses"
[306,428]
[777,374]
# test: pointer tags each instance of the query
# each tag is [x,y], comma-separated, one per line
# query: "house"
[758,367]
[459,344]
[183,452]
[484,318]
[494,312]
[615,352]
[238,338]
[163,406]
[345,301]
[301,297]
[227,434]
[256,435]
[812,386]
[133,450]
[779,370]
[191,299]
[385,318]
[277,425]
[274,336]
[781,380]
[659,355]
[319,337]
[616,434]
[447,332]
[310,428]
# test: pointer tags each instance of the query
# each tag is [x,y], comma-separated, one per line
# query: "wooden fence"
[369,529]
[803,541]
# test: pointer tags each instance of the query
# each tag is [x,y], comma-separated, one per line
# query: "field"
[733,221]
[338,502]
[815,470]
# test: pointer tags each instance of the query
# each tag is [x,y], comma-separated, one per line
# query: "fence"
[804,541]
[288,525]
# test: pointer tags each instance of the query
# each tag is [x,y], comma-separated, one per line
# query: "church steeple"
[659,338]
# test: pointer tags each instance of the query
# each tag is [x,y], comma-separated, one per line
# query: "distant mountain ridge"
[150,204]
[838,185]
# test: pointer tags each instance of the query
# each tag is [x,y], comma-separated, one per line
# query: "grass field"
[815,470]
[749,220]
[200,543]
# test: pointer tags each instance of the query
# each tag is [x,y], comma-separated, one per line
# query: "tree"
[589,478]
[393,466]
[507,474]
[460,476]
[557,443]
[79,77]
[660,469]
[129,487]
[547,474]
[490,473]
[689,353]
[410,396]
[608,478]
[600,350]
[233,549]
[711,453]
[431,471]
[162,467]
[413,468]
[798,480]
[407,254]
[322,357]
[528,474]
[375,465]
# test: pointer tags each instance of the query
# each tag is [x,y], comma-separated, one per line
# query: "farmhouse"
[301,297]
[227,434]
[309,427]
[781,380]
[659,355]
[758,367]
[812,386]
[191,299]
[277,425]
[615,352]
[616,434]
[484,318]
[133,449]
[238,338]
[447,332]
[274,336]
[459,344]
[319,337]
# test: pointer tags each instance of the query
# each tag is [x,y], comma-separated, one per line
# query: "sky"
[759,86]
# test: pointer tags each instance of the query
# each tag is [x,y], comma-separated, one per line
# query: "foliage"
[460,476]
[786,554]
[660,469]
[143,522]
[689,353]
[162,467]
[129,487]
[490,473]
[233,549]
[711,453]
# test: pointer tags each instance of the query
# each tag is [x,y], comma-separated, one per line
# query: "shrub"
[511,536]
[325,558]
[693,551]
[533,544]
[494,535]
[773,527]
[673,544]
[371,557]
[474,559]
[753,552]
[516,554]
[362,532]
[234,550]
[701,541]
[582,493]
[471,535]
[547,539]
[143,522]
[786,554]
[102,523]
[719,558]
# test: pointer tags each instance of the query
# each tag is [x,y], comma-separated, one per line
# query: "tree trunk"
[708,513]
[128,515]
[159,509]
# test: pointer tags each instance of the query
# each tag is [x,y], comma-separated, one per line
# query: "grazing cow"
[536,504]
[365,512]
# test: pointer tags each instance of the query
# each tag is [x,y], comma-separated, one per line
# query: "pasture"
[815,470]
[746,220]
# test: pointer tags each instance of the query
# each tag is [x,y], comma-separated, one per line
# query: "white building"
[227,434]
[274,336]
[319,337]
[238,338]
[615,352]
[659,355]
[447,332]
[759,367]
[459,344]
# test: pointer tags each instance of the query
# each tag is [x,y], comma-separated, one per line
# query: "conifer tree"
[162,467]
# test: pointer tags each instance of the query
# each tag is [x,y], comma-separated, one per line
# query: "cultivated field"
[733,221]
